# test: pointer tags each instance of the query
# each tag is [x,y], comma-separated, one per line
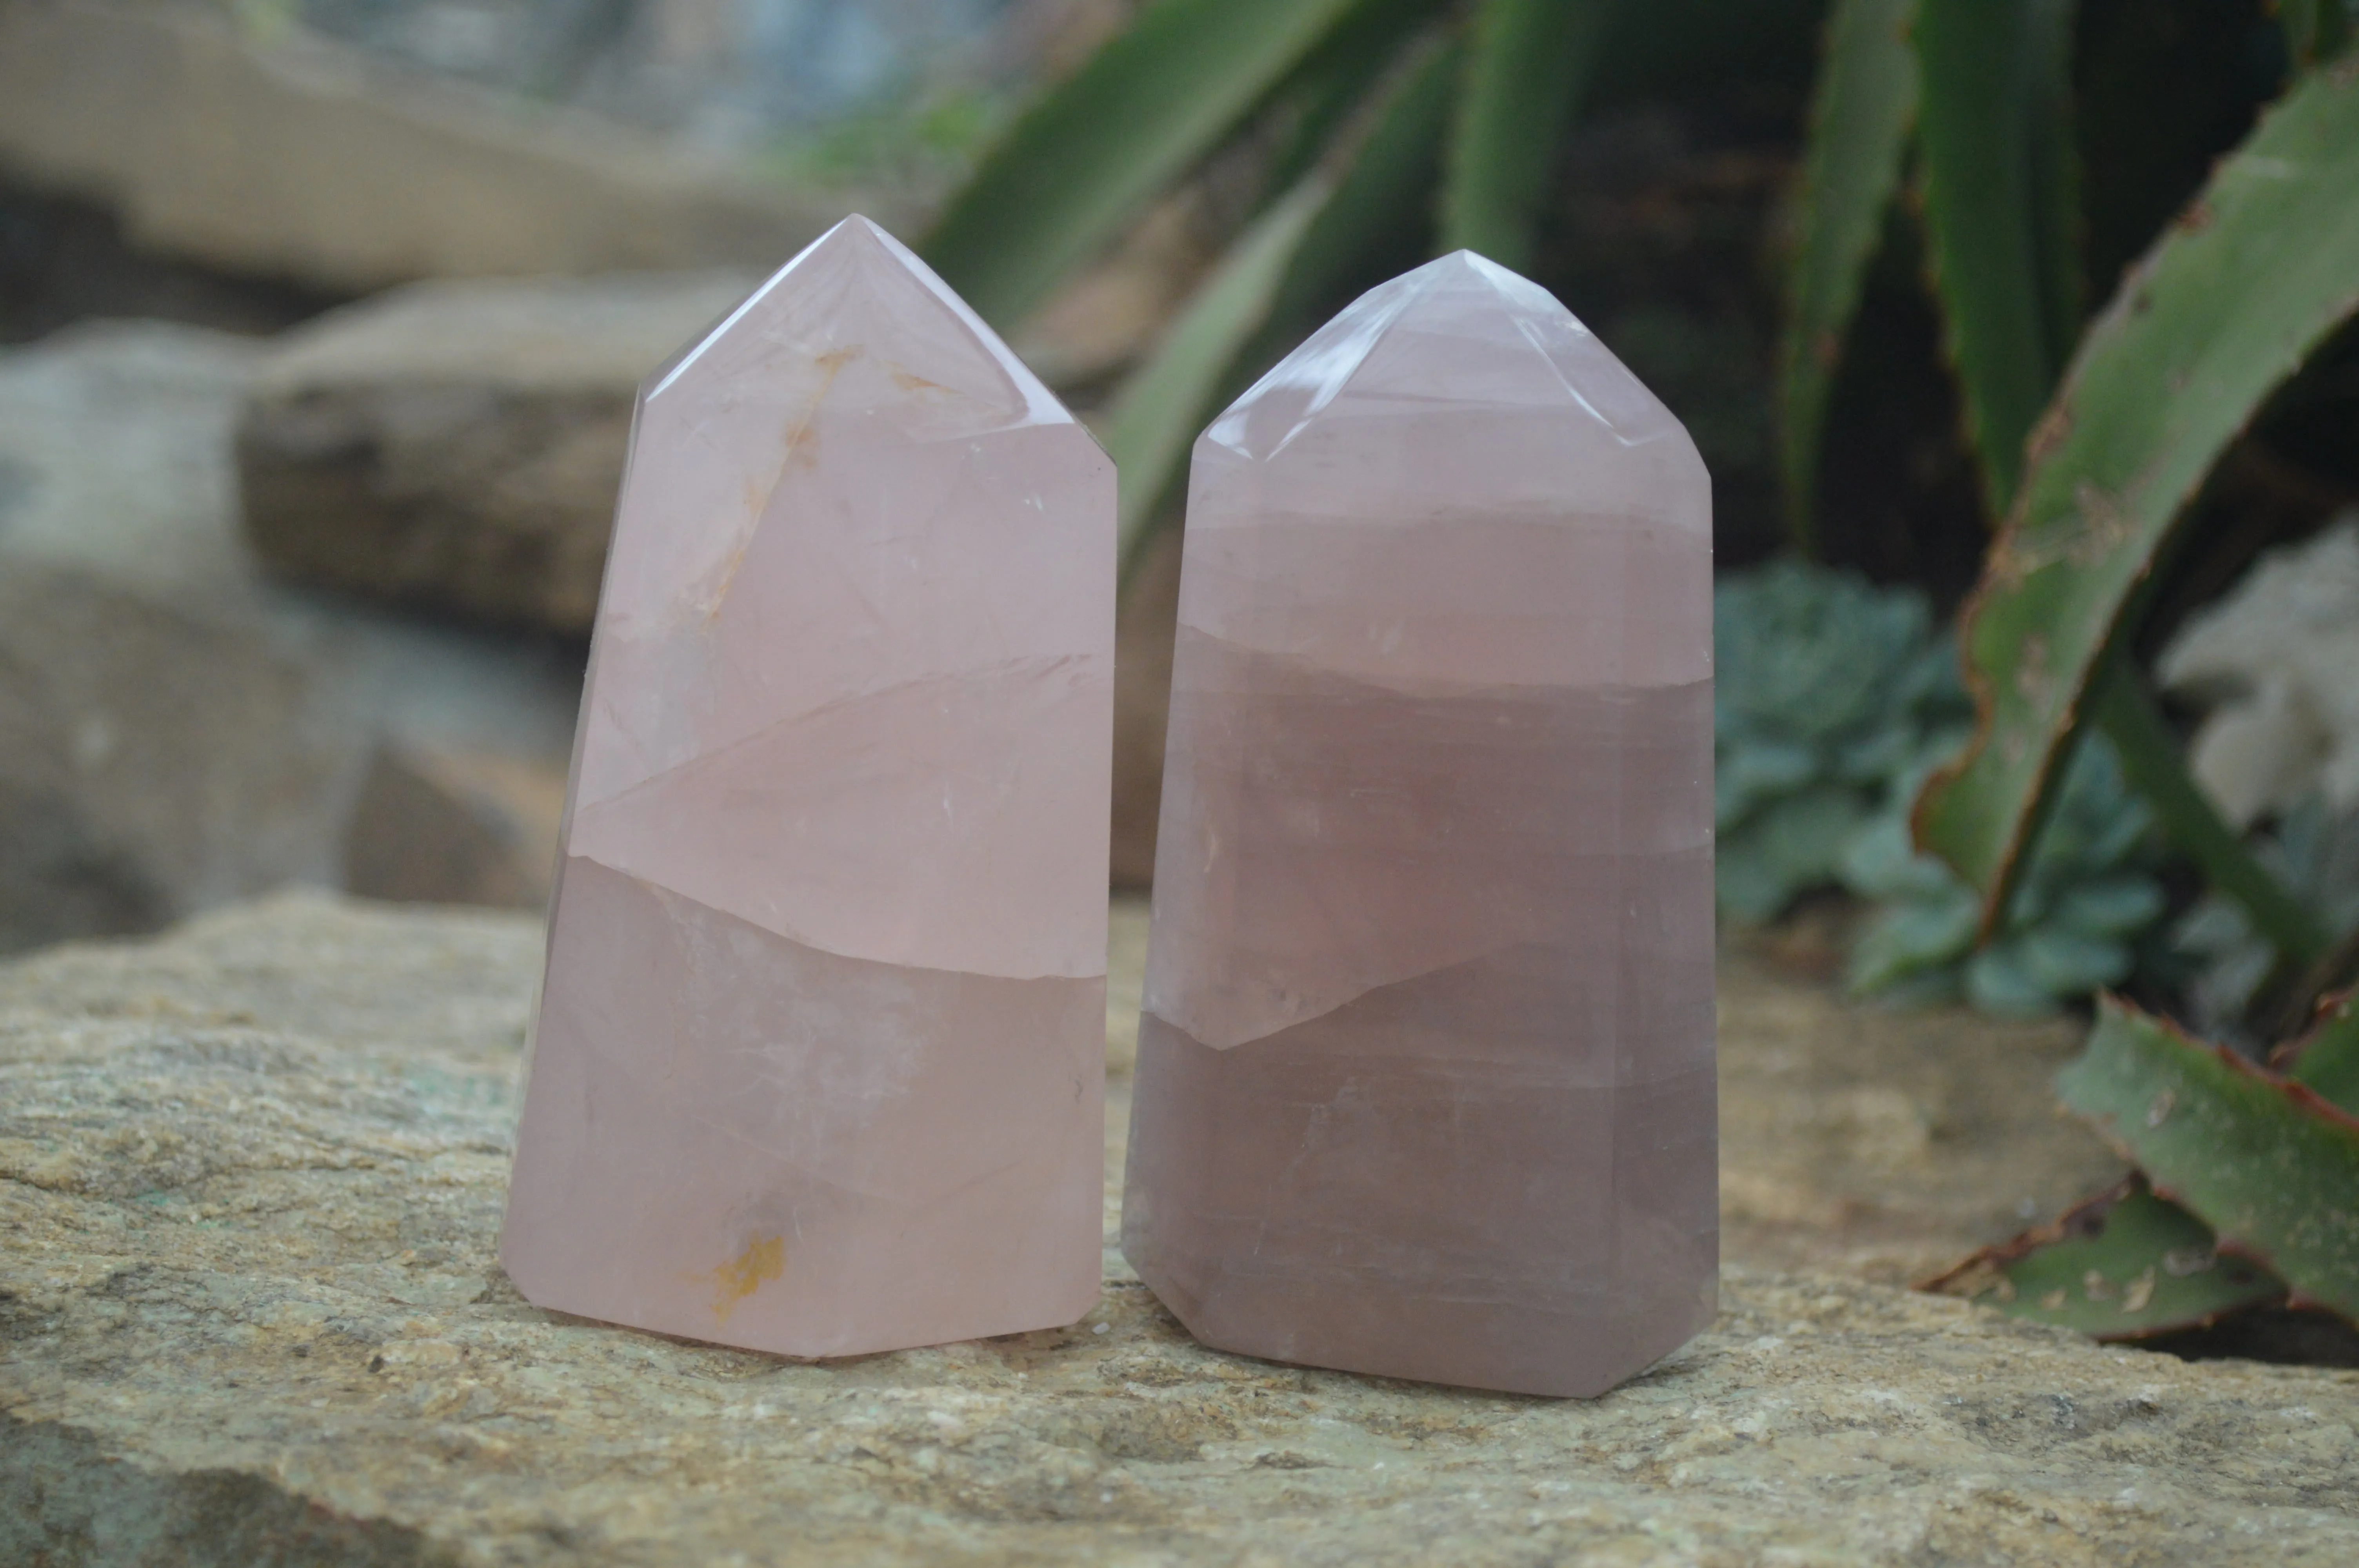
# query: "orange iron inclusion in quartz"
[1426,1081]
[818,1067]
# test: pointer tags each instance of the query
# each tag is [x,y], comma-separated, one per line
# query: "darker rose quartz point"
[1425,1082]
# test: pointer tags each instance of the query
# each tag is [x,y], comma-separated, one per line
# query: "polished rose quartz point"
[818,1065]
[1425,1079]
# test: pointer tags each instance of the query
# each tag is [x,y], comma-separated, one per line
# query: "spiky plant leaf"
[1994,144]
[1390,163]
[2131,1262]
[1316,108]
[2315,30]
[2326,1060]
[2124,1265]
[2269,1164]
[1860,112]
[1284,266]
[1088,155]
[2225,306]
[1528,62]
[1164,403]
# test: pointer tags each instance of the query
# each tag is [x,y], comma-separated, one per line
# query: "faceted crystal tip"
[859,294]
[1459,330]
[1425,1082]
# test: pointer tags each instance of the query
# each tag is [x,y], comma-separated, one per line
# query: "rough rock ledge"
[250,1182]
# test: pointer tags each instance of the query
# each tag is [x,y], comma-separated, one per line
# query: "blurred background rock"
[325,320]
[321,324]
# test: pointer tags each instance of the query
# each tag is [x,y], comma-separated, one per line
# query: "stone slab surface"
[249,1313]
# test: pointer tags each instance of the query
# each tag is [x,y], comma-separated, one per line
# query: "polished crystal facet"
[818,1061]
[1425,1082]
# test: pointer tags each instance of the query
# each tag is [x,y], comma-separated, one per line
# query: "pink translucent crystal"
[1426,1080]
[818,1067]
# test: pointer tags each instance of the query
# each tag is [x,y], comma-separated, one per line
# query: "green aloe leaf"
[1390,163]
[2270,1165]
[2130,1262]
[1281,269]
[1165,402]
[2225,306]
[1528,63]
[1088,155]
[1860,116]
[2124,1265]
[1316,107]
[2314,29]
[2326,1060]
[1994,143]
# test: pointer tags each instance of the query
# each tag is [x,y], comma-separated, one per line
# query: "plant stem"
[2152,763]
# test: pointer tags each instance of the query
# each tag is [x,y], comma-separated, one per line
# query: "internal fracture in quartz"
[1426,1080]
[818,1067]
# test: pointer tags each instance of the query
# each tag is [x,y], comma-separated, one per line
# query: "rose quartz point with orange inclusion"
[1426,1081]
[818,1067]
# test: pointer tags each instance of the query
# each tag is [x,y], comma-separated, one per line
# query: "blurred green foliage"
[918,143]
[1608,148]
[2068,289]
[2069,928]
[2010,151]
[1836,699]
[2222,312]
[1832,695]
[2315,855]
